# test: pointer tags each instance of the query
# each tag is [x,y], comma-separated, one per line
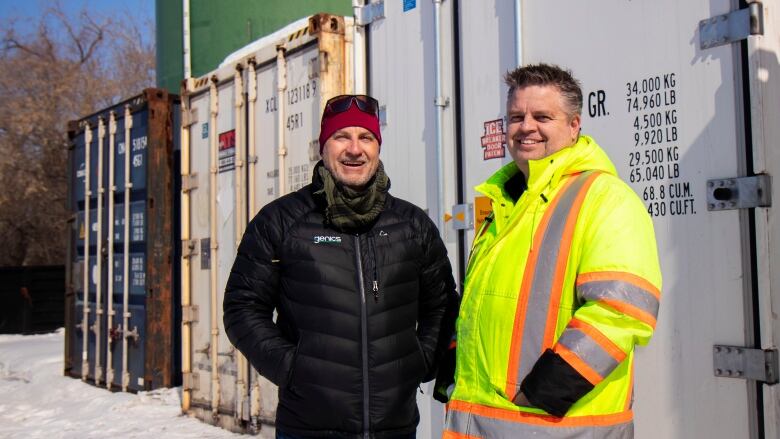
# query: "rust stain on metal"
[332,53]
[160,331]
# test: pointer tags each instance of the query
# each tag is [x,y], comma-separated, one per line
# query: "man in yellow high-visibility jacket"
[563,281]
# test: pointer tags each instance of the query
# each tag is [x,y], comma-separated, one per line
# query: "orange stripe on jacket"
[631,311]
[455,435]
[540,419]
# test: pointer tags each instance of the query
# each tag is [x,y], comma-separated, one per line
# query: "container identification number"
[295,95]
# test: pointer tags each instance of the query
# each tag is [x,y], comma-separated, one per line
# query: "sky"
[39,402]
[31,8]
[26,11]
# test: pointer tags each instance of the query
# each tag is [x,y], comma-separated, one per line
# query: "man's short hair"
[547,75]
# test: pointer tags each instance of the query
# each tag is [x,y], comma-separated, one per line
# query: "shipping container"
[122,297]
[194,36]
[684,98]
[249,134]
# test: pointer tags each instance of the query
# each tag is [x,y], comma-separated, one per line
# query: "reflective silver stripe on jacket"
[620,291]
[537,308]
[589,351]
[485,427]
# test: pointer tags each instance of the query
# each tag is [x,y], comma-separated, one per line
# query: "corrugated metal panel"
[236,119]
[122,333]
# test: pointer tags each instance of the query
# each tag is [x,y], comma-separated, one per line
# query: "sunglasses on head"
[340,104]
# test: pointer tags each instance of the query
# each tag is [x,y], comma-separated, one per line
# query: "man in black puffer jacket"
[361,284]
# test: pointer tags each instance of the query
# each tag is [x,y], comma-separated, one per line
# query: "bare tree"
[66,69]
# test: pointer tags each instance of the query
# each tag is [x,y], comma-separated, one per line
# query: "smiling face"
[538,124]
[351,155]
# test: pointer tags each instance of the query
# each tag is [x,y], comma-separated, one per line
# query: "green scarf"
[348,209]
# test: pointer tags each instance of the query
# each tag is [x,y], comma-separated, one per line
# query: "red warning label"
[494,140]
[227,151]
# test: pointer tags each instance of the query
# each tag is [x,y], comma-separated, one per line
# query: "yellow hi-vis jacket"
[560,287]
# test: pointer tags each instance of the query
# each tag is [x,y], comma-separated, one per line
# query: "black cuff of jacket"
[445,377]
[553,385]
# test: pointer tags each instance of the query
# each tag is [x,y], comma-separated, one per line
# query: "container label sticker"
[204,130]
[227,151]
[409,5]
[482,209]
[494,140]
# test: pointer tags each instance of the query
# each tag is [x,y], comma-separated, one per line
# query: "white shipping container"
[402,76]
[681,95]
[249,135]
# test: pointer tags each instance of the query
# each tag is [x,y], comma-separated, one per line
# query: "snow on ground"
[37,401]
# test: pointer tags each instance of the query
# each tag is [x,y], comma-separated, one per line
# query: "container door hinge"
[749,364]
[732,27]
[189,248]
[462,218]
[189,117]
[189,182]
[189,381]
[739,192]
[189,314]
[369,13]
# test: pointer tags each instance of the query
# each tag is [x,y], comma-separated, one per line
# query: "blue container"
[125,348]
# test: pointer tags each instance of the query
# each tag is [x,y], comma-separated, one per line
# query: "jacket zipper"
[363,335]
[375,282]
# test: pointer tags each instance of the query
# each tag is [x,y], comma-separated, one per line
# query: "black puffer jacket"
[362,318]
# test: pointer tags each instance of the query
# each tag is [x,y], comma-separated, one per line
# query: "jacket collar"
[584,155]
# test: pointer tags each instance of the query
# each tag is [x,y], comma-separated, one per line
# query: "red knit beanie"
[353,117]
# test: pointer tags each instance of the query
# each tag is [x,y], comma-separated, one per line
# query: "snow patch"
[38,401]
